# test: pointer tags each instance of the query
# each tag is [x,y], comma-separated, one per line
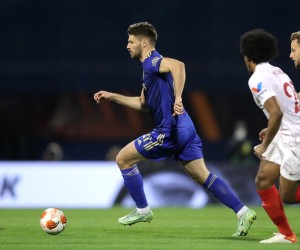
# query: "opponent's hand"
[178,106]
[262,134]
[101,95]
[259,150]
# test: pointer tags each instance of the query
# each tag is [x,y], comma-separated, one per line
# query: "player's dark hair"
[296,36]
[259,46]
[143,29]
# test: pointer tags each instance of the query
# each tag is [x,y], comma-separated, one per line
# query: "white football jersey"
[268,81]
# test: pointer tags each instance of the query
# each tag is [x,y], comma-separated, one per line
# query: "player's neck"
[146,53]
[253,67]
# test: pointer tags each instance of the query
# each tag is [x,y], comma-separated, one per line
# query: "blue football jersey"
[159,91]
[173,135]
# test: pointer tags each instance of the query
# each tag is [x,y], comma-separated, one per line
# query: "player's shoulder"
[153,55]
[262,73]
[152,60]
[257,77]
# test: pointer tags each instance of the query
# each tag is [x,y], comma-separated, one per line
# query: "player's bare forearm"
[177,69]
[178,73]
[273,127]
[267,135]
[275,116]
[128,101]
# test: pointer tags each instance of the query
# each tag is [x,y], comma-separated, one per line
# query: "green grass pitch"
[172,228]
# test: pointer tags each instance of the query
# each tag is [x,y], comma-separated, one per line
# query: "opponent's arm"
[136,102]
[177,69]
[274,109]
[262,134]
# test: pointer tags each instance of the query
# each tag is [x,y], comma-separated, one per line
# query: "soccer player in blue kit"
[174,134]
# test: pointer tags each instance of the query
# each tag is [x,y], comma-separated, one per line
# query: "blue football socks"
[223,192]
[134,184]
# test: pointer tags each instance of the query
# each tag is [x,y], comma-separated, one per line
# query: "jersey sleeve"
[152,64]
[261,88]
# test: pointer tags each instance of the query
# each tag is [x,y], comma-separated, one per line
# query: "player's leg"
[220,190]
[126,160]
[266,176]
[128,156]
[289,190]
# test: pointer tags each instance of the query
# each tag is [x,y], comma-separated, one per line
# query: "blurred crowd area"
[54,55]
[71,126]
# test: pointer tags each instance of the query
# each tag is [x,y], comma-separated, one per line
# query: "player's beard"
[297,65]
[137,54]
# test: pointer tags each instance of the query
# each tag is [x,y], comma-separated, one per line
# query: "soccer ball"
[53,221]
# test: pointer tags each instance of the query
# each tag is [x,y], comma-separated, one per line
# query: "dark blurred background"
[54,54]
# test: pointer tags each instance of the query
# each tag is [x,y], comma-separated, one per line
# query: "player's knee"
[258,182]
[120,159]
[263,182]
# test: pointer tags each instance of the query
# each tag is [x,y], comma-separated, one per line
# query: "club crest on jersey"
[258,88]
[154,61]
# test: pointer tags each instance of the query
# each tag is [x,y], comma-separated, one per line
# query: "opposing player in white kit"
[279,151]
[295,49]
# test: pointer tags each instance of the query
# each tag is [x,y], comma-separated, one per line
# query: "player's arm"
[274,109]
[262,134]
[177,69]
[275,116]
[136,102]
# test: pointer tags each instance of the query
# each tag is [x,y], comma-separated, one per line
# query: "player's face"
[295,53]
[134,47]
[247,62]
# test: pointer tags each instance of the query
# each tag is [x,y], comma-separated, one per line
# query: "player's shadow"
[241,238]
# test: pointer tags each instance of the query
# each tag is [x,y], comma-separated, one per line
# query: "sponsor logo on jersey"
[154,61]
[258,88]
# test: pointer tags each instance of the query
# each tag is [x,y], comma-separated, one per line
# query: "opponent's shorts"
[184,145]
[286,154]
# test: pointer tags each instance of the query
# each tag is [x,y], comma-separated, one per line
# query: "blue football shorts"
[184,145]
